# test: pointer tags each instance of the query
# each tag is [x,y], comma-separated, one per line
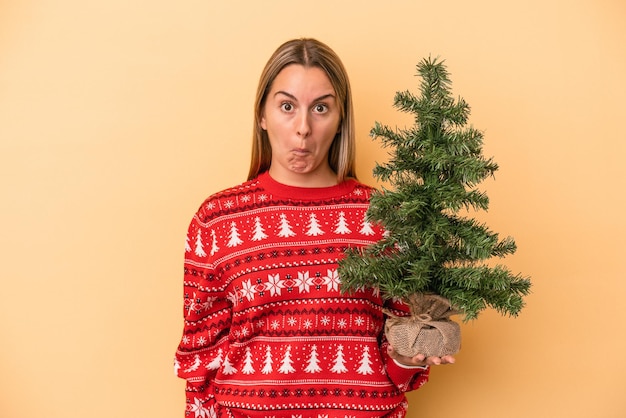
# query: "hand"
[419,359]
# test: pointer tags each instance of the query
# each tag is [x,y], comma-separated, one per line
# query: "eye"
[320,108]
[286,107]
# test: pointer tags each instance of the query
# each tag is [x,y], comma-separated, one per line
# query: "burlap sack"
[428,330]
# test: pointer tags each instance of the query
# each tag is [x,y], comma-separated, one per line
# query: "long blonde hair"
[308,53]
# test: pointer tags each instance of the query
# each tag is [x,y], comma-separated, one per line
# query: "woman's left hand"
[419,359]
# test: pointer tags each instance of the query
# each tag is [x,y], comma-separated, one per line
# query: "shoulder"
[360,185]
[246,187]
[232,199]
[361,190]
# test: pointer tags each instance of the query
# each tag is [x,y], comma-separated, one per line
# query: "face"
[301,117]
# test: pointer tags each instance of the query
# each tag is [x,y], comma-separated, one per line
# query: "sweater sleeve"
[206,314]
[406,378]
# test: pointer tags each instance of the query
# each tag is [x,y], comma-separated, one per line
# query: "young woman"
[268,331]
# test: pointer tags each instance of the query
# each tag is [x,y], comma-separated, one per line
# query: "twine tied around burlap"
[428,331]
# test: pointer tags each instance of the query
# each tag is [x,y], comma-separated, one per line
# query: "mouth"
[300,151]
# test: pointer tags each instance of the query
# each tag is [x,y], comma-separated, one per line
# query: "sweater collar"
[305,193]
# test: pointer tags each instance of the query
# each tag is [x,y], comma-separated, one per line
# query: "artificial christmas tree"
[434,255]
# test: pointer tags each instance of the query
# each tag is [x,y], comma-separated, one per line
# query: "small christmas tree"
[430,247]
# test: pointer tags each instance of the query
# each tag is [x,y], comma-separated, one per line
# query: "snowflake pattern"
[303,282]
[331,280]
[248,290]
[274,284]
[200,411]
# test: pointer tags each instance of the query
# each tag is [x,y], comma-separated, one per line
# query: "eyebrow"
[291,96]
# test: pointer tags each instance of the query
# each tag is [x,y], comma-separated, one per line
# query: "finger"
[448,359]
[435,361]
[419,358]
[392,353]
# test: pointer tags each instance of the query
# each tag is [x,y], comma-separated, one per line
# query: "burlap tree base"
[429,330]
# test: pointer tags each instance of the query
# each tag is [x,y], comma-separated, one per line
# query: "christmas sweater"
[267,330]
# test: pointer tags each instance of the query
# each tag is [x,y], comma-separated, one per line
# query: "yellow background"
[117,118]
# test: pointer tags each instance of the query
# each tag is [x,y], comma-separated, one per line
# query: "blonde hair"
[308,53]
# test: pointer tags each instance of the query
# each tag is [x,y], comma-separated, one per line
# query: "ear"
[262,122]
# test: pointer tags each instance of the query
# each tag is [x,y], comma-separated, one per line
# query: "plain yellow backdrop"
[117,118]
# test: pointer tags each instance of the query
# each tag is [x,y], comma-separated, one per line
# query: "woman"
[268,332]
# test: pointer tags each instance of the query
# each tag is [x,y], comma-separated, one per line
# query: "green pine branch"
[434,169]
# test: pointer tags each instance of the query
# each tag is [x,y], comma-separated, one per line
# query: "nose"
[303,125]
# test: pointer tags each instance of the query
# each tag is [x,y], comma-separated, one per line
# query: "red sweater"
[267,331]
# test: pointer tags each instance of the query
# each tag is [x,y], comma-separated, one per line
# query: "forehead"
[296,78]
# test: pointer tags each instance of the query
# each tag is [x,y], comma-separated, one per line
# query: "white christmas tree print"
[267,363]
[314,227]
[199,247]
[342,225]
[365,363]
[187,245]
[214,247]
[176,367]
[217,361]
[259,231]
[247,362]
[285,228]
[366,227]
[313,364]
[234,236]
[194,366]
[228,367]
[286,364]
[340,363]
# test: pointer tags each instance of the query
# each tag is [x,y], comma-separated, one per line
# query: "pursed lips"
[300,151]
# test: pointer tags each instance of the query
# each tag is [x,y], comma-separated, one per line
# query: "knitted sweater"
[267,330]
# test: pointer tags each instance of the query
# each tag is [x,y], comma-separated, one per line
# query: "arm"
[406,377]
[206,313]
